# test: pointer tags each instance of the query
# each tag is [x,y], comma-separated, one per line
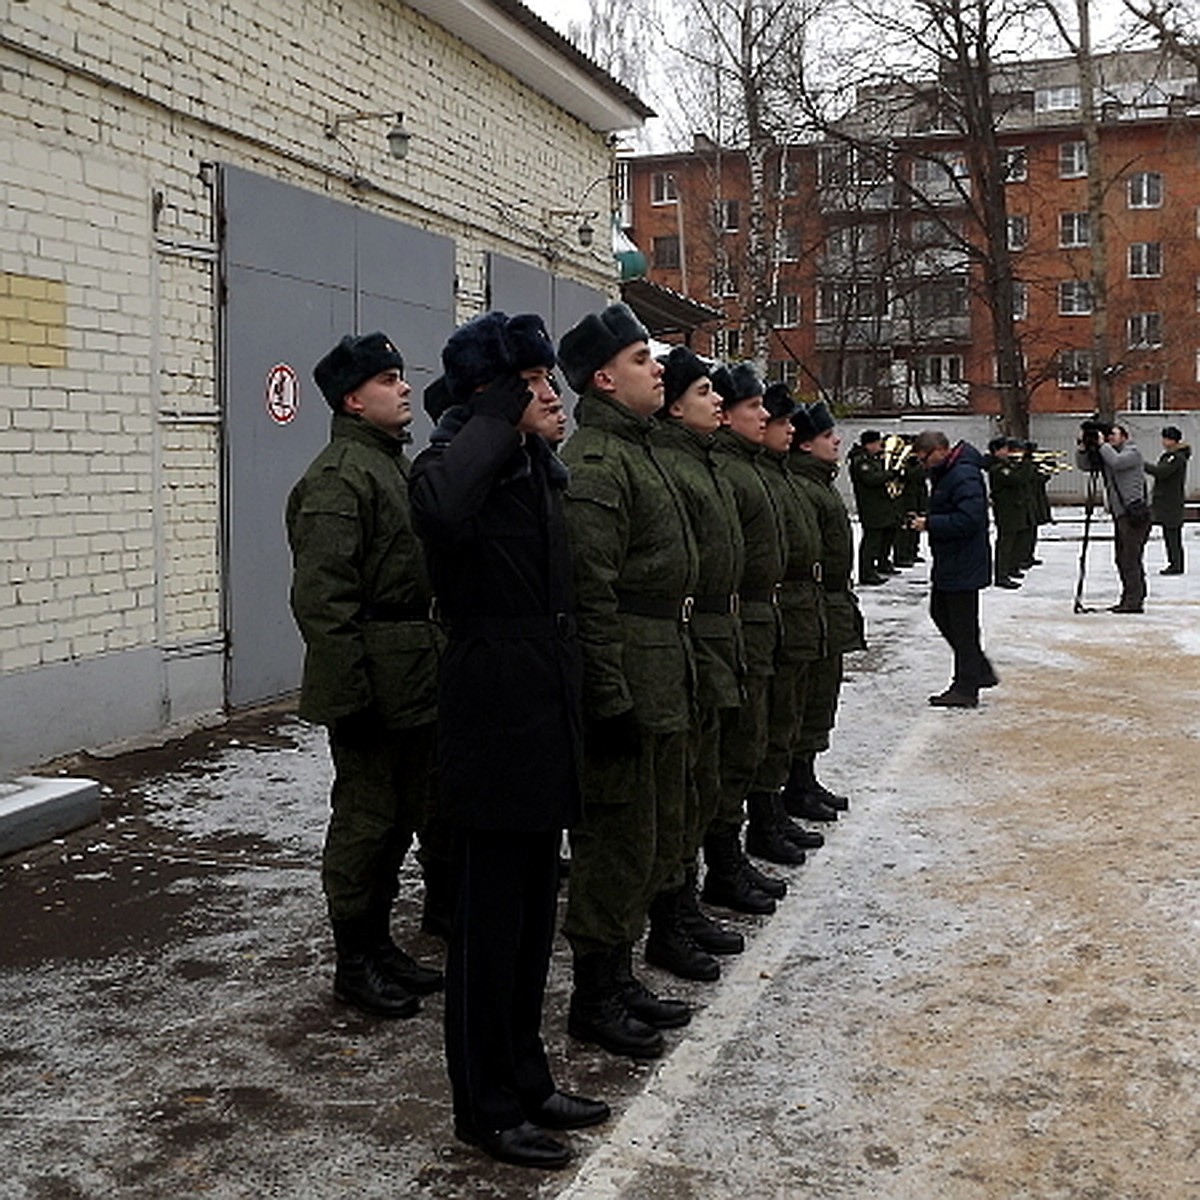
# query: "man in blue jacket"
[957,524]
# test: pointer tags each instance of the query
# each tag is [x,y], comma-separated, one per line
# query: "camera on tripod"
[1091,434]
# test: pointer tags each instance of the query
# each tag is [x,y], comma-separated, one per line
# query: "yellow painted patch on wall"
[33,321]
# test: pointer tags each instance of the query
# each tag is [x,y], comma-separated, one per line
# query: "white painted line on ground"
[635,1140]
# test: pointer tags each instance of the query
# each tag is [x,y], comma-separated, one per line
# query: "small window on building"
[727,215]
[1056,99]
[1020,301]
[1145,190]
[1145,397]
[1144,330]
[1018,232]
[665,252]
[1074,368]
[789,179]
[789,309]
[1145,260]
[789,246]
[1014,163]
[1072,159]
[662,188]
[1074,298]
[1074,229]
[725,280]
[726,344]
[935,370]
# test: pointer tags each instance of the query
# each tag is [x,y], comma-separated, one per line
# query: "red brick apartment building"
[876,296]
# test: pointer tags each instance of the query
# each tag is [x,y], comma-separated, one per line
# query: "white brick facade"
[110,433]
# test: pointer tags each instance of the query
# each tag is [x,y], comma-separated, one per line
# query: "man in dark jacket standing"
[869,478]
[487,500]
[957,524]
[361,597]
[1011,507]
[1167,500]
[635,573]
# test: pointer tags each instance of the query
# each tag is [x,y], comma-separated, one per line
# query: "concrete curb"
[35,808]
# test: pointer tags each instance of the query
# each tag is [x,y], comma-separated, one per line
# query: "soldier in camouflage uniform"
[1009,490]
[876,508]
[635,574]
[682,937]
[813,463]
[361,597]
[731,880]
[770,833]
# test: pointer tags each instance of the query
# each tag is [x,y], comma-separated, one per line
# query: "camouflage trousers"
[628,845]
[822,689]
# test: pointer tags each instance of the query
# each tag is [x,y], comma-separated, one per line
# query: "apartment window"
[1056,99]
[725,280]
[1144,330]
[934,370]
[1020,301]
[1018,232]
[938,168]
[789,246]
[1072,159]
[662,188]
[1145,190]
[665,251]
[1074,368]
[1014,163]
[928,233]
[1074,229]
[942,297]
[1145,397]
[726,344]
[1145,260]
[1074,297]
[834,165]
[849,300]
[789,309]
[728,216]
[789,179]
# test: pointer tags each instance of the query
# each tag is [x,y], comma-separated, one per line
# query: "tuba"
[896,451]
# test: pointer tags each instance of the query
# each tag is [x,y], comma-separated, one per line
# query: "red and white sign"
[283,393]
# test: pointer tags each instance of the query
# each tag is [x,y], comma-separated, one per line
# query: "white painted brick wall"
[109,511]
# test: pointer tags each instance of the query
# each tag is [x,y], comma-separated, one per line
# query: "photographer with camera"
[1106,450]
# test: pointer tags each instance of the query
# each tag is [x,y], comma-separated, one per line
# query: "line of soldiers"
[1017,481]
[890,487]
[641,639]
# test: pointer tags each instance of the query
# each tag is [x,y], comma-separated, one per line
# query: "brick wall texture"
[110,429]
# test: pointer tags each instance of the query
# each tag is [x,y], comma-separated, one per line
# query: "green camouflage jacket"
[360,592]
[632,549]
[712,513]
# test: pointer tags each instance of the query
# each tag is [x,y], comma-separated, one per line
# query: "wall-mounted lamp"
[585,231]
[398,137]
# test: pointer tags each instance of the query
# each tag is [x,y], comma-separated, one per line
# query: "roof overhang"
[664,311]
[513,37]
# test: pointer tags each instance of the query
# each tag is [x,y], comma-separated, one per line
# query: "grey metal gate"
[299,270]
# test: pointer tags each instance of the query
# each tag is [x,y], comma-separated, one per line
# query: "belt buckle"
[685,609]
[776,591]
[735,604]
[817,572]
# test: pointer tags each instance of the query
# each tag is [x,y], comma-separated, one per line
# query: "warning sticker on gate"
[283,393]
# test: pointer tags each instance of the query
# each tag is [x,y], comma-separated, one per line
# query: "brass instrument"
[1049,462]
[896,451]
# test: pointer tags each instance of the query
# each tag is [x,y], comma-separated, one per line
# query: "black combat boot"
[804,839]
[814,787]
[660,1012]
[598,1015]
[670,946]
[360,980]
[708,934]
[764,838]
[799,796]
[725,881]
[396,965]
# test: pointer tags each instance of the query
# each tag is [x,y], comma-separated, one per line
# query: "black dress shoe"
[523,1145]
[1126,608]
[561,1110]
[1007,583]
[1171,571]
[951,698]
[989,680]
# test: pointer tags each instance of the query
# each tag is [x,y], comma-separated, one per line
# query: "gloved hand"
[505,398]
[614,737]
[359,730]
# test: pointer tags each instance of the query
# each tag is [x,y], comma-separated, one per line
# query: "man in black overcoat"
[486,498]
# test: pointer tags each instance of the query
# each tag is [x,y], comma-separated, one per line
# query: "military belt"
[548,625]
[813,574]
[657,606]
[761,595]
[398,612]
[723,604]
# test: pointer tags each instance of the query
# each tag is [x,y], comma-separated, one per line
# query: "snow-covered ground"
[984,985]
